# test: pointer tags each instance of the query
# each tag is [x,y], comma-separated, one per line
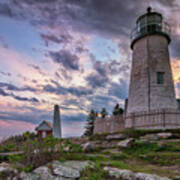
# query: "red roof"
[49,124]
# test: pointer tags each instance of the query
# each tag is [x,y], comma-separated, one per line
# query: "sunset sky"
[75,53]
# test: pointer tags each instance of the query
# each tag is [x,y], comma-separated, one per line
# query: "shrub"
[142,148]
[116,156]
[96,173]
[28,168]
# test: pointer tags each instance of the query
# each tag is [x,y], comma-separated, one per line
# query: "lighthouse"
[151,82]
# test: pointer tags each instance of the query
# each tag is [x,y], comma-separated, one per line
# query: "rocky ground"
[126,156]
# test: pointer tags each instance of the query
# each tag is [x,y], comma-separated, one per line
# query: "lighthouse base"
[156,119]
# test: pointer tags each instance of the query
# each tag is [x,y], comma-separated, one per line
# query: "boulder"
[177,178]
[152,137]
[116,137]
[119,173]
[126,143]
[87,147]
[29,176]
[44,172]
[78,165]
[164,135]
[60,169]
[145,141]
[143,176]
[7,171]
[129,175]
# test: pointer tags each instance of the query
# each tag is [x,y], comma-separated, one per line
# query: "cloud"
[95,80]
[5,10]
[65,38]
[97,102]
[34,100]
[76,118]
[5,73]
[99,78]
[111,19]
[19,98]
[3,93]
[12,87]
[119,90]
[38,69]
[84,16]
[31,115]
[59,90]
[65,58]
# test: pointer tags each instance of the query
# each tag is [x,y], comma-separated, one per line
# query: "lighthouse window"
[160,77]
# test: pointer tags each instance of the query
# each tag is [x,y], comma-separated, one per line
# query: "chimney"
[56,123]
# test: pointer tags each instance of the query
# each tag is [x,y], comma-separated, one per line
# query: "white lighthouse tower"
[151,84]
[56,123]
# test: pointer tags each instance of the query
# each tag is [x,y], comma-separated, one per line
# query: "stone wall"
[109,124]
[156,119]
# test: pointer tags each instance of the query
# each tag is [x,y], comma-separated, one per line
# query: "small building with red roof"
[44,129]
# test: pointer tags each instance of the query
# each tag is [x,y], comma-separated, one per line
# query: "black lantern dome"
[149,24]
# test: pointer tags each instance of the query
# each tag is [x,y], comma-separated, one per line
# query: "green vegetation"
[117,110]
[151,157]
[90,123]
[104,113]
[17,143]
[97,173]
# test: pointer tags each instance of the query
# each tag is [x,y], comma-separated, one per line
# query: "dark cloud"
[5,73]
[96,80]
[3,93]
[65,58]
[111,17]
[62,39]
[19,98]
[97,102]
[168,3]
[119,90]
[175,46]
[57,75]
[32,115]
[3,42]
[116,67]
[37,68]
[103,16]
[99,78]
[35,116]
[76,118]
[5,10]
[33,100]
[114,19]
[12,87]
[60,90]
[100,68]
[71,102]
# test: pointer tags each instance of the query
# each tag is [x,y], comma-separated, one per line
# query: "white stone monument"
[56,123]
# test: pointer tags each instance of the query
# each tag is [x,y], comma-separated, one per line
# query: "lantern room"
[149,24]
